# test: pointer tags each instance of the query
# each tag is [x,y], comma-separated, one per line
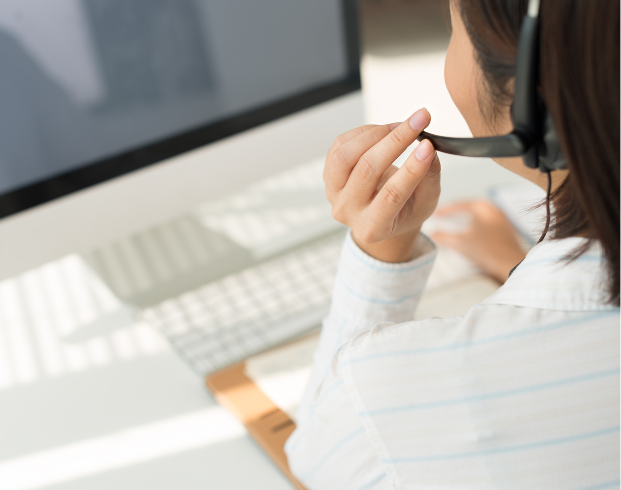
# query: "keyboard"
[241,314]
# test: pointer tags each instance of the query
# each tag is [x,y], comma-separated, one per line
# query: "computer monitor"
[116,115]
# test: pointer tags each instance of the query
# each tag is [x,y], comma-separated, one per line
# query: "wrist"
[395,249]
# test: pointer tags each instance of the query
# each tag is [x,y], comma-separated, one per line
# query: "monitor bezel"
[61,185]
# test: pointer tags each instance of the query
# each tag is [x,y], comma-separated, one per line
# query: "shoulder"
[487,331]
[387,340]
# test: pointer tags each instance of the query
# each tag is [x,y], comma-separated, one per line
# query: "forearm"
[366,292]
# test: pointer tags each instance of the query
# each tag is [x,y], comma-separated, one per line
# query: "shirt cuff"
[391,291]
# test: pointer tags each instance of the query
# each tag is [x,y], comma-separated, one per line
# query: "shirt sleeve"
[366,292]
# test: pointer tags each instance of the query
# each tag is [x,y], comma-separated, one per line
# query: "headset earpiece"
[545,153]
[550,154]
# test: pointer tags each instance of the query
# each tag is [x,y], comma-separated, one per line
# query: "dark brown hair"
[579,83]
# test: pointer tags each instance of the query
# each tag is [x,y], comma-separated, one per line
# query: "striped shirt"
[521,392]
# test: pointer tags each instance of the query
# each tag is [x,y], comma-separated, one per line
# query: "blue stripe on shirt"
[491,396]
[373,482]
[556,260]
[489,340]
[506,449]
[348,438]
[602,486]
[300,433]
[373,300]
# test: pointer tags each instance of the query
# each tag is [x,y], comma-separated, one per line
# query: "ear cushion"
[550,154]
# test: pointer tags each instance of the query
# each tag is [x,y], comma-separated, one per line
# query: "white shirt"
[521,392]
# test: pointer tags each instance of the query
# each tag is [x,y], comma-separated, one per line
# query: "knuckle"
[365,168]
[411,169]
[338,213]
[398,138]
[335,165]
[339,159]
[373,130]
[339,141]
[392,195]
[378,134]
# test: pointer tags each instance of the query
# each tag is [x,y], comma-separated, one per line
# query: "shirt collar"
[546,280]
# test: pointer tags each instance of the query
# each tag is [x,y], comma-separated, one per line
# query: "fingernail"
[424,150]
[420,119]
[393,126]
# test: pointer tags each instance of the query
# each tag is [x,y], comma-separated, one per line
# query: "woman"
[522,391]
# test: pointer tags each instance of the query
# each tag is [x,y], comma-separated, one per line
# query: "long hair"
[579,84]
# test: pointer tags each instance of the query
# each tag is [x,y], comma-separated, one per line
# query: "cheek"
[461,83]
[451,75]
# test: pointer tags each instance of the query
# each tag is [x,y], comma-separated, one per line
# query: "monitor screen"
[92,89]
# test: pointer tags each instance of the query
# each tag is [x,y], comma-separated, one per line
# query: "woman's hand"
[383,205]
[489,241]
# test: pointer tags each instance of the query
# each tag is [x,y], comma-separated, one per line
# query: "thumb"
[428,190]
[434,169]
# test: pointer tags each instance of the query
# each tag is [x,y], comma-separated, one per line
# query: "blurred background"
[403,47]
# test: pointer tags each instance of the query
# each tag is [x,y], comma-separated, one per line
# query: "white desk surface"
[140,423]
[92,399]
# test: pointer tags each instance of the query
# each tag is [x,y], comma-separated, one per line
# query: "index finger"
[367,173]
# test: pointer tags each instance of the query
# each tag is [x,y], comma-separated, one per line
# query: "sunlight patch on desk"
[59,319]
[125,448]
[12,317]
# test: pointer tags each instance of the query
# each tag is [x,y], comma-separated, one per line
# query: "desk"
[136,418]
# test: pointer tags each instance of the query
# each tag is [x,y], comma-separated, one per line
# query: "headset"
[534,137]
